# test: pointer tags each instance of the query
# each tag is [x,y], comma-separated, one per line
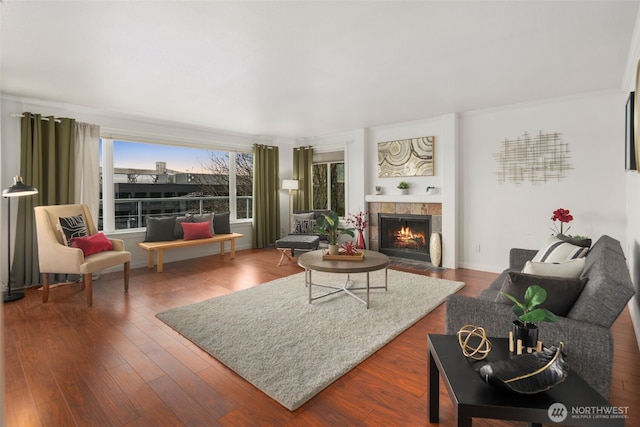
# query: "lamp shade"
[19,189]
[289,184]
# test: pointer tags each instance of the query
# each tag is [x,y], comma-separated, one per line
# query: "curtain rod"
[43,118]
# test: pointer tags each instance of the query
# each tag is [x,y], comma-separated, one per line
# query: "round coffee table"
[312,261]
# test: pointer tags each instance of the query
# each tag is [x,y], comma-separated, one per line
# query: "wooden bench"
[159,247]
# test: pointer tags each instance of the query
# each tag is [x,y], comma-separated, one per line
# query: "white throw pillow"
[557,250]
[571,268]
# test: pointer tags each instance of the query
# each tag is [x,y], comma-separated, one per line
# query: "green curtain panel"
[266,199]
[47,151]
[302,171]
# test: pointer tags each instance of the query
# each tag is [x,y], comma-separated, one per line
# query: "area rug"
[290,349]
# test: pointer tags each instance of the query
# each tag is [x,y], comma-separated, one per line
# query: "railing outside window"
[131,213]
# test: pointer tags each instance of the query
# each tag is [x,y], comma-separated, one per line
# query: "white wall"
[445,178]
[500,216]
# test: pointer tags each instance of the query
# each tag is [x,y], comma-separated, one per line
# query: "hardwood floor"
[115,364]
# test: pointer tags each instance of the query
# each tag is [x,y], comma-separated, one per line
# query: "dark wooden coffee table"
[574,400]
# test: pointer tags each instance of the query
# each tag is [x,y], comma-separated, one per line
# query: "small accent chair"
[56,257]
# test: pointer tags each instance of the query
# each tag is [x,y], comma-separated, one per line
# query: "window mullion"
[233,205]
[108,197]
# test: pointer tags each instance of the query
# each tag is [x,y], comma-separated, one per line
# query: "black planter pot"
[528,334]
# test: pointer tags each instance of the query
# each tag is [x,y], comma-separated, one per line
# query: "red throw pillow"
[92,244]
[196,230]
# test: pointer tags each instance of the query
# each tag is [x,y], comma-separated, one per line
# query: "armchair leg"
[127,267]
[87,279]
[45,287]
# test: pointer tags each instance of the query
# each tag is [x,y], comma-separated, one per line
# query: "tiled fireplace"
[411,246]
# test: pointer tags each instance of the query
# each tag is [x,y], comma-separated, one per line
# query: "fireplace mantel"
[409,198]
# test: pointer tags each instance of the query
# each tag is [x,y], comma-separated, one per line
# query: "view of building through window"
[158,179]
[328,187]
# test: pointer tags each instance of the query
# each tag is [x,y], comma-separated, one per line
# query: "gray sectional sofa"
[585,329]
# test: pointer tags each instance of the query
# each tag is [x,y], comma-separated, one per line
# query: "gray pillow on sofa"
[160,229]
[221,223]
[297,222]
[562,292]
[178,232]
[205,218]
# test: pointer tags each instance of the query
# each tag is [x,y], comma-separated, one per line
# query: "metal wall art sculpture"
[540,158]
[406,157]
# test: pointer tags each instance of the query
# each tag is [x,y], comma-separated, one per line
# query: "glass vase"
[360,243]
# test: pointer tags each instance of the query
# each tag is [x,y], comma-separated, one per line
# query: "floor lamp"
[18,189]
[291,185]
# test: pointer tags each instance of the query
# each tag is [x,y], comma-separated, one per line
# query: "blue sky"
[144,156]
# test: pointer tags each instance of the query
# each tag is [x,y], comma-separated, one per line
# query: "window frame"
[324,157]
[108,167]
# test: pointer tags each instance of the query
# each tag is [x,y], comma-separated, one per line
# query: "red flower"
[562,215]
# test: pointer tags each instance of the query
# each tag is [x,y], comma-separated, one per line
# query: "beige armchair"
[56,257]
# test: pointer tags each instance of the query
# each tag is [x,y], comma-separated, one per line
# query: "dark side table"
[572,402]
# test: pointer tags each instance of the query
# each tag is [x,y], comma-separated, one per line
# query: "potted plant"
[403,186]
[529,314]
[329,225]
[378,189]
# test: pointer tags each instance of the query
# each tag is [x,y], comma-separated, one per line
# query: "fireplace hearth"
[405,235]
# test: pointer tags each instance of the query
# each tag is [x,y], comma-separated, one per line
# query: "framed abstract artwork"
[629,135]
[406,157]
[634,115]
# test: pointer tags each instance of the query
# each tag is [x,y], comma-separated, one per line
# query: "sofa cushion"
[208,218]
[221,223]
[73,226]
[556,250]
[178,233]
[571,268]
[584,242]
[92,244]
[562,292]
[298,219]
[304,226]
[196,230]
[160,229]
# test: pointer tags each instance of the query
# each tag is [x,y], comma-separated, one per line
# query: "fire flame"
[406,237]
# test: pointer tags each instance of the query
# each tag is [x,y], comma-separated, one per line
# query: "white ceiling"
[308,68]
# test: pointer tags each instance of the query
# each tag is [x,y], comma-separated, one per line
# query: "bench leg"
[151,262]
[221,247]
[160,260]
[233,248]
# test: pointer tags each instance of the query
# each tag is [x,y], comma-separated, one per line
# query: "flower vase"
[435,249]
[522,337]
[360,244]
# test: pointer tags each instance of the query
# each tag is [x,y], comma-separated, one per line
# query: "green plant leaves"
[527,311]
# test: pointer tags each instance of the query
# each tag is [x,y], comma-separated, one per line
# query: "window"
[328,182]
[143,179]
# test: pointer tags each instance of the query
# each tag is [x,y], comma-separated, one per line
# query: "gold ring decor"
[479,352]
